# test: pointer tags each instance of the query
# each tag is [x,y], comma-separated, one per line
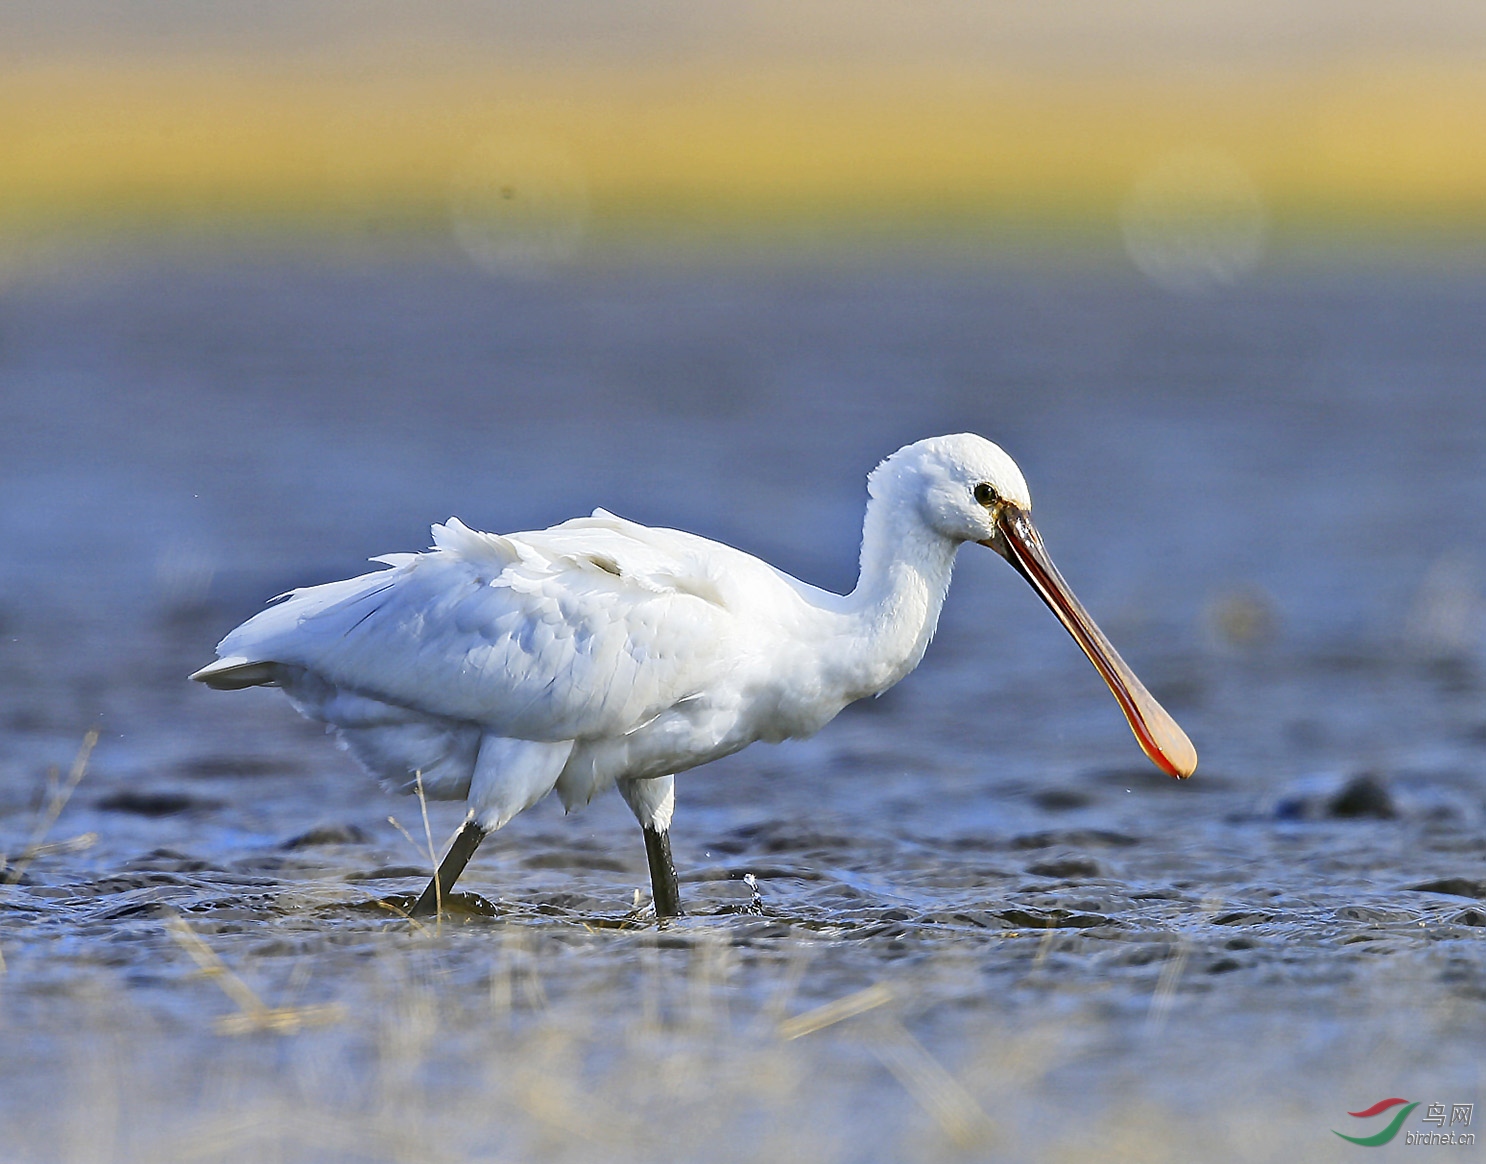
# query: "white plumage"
[601,651]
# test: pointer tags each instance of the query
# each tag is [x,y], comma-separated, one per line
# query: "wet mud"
[966,921]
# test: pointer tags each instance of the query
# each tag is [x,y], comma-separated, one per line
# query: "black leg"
[466,841]
[662,873]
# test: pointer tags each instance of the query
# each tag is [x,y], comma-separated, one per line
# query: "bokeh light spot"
[1194,221]
[519,204]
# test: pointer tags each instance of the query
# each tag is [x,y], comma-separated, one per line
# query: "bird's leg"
[663,884]
[653,801]
[466,841]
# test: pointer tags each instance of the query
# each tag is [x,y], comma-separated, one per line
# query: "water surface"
[1028,943]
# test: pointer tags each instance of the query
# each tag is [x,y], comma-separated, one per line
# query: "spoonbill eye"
[986,495]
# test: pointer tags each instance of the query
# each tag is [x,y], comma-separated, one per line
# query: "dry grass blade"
[213,967]
[253,1014]
[771,1015]
[938,1092]
[835,1012]
[407,836]
[78,844]
[281,1020]
[1171,973]
[1044,948]
[433,856]
[268,1131]
[427,850]
[1165,992]
[56,802]
[400,912]
[922,1076]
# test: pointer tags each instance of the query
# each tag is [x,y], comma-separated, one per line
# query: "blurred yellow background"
[835,121]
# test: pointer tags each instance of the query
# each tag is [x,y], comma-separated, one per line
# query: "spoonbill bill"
[602,653]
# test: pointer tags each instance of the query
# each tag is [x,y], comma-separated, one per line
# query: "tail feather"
[237,672]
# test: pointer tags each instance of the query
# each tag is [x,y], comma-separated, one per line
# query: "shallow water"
[1027,943]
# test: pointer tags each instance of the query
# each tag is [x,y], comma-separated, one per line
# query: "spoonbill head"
[496,669]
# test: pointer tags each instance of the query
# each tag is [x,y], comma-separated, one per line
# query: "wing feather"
[579,631]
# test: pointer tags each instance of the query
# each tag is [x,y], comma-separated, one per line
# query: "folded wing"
[580,631]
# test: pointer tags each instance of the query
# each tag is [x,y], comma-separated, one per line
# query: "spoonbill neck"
[905,572]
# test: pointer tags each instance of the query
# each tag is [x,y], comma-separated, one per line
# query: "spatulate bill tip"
[1170,750]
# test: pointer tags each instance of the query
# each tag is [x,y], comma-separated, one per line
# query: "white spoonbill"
[601,652]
